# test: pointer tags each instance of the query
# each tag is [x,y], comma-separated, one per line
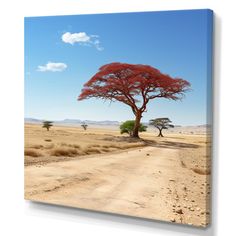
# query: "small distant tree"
[128,127]
[85,126]
[160,124]
[47,124]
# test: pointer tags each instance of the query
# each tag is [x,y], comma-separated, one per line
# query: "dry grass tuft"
[105,150]
[32,153]
[47,140]
[70,152]
[94,145]
[70,145]
[74,146]
[49,146]
[201,171]
[92,151]
[109,148]
[114,146]
[182,164]
[36,146]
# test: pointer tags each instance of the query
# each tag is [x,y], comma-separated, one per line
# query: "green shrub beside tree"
[128,127]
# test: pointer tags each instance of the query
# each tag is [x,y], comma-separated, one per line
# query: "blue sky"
[176,42]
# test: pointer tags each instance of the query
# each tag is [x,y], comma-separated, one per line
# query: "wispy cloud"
[52,66]
[83,39]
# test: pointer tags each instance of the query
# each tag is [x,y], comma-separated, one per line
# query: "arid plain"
[164,178]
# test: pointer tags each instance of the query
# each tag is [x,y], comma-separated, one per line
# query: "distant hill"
[74,122]
[69,121]
[104,122]
[33,121]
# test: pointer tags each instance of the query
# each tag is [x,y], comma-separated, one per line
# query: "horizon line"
[61,120]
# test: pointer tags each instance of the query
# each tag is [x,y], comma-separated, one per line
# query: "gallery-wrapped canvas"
[118,111]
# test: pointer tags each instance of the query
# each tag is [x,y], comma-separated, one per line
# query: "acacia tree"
[160,124]
[133,85]
[84,125]
[47,124]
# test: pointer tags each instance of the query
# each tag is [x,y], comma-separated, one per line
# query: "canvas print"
[118,113]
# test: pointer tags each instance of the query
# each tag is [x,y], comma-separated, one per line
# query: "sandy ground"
[157,178]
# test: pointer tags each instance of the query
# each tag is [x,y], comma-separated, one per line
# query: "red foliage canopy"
[132,84]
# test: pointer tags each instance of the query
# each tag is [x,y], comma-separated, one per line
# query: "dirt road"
[151,182]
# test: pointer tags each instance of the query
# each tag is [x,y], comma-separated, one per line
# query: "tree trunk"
[137,125]
[160,133]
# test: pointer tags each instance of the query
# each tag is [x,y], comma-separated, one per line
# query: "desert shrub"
[70,145]
[115,146]
[32,153]
[70,152]
[105,150]
[47,140]
[36,146]
[75,146]
[94,145]
[89,150]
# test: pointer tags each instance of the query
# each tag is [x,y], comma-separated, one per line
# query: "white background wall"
[23,218]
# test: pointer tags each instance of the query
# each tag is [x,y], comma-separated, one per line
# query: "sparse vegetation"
[70,145]
[36,146]
[75,146]
[95,145]
[69,152]
[91,151]
[105,150]
[32,153]
[47,140]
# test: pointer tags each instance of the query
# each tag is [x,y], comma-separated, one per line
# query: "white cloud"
[52,66]
[83,39]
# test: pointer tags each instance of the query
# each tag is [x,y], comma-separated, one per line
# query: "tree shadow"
[170,144]
[175,137]
[149,142]
[122,139]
